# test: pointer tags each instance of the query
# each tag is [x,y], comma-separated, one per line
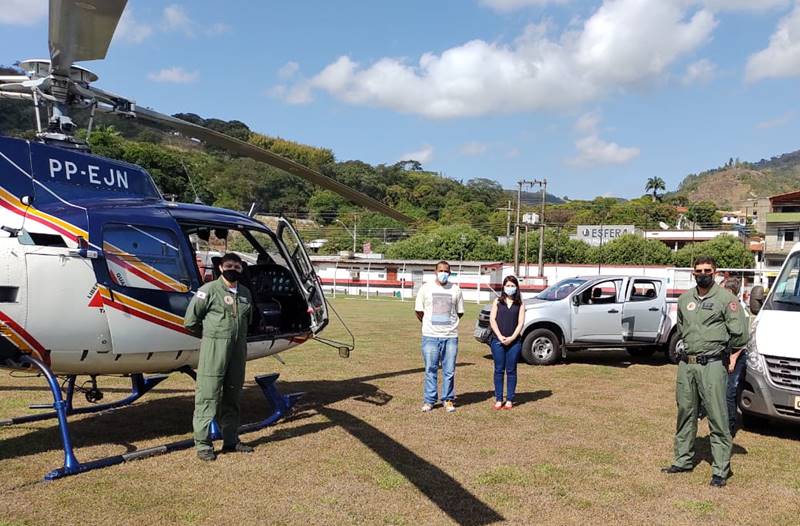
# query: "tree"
[703,213]
[453,242]
[655,184]
[726,250]
[632,249]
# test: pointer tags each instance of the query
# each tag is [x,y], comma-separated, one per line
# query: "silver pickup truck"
[630,312]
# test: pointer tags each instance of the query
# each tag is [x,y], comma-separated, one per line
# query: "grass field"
[584,446]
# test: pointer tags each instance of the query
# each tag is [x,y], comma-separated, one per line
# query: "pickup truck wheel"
[540,347]
[675,348]
[641,352]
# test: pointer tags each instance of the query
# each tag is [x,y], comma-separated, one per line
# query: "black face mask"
[231,275]
[704,281]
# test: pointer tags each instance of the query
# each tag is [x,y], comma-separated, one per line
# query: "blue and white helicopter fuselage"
[97,268]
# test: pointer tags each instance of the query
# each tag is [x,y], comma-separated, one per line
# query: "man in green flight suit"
[710,320]
[220,311]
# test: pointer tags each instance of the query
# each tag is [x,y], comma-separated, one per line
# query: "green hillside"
[732,183]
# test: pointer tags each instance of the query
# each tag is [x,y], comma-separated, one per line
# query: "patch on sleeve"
[733,306]
[201,295]
[691,306]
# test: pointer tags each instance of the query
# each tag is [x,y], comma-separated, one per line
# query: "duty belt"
[699,359]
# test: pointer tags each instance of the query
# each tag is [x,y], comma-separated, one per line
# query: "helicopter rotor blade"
[81,30]
[12,79]
[252,151]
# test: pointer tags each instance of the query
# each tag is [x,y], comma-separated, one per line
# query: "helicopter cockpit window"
[144,257]
[211,243]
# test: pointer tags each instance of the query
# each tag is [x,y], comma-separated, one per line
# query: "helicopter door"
[310,284]
[147,293]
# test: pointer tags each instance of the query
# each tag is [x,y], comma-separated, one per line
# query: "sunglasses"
[700,272]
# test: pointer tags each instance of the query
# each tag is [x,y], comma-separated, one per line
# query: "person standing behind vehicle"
[710,320]
[506,318]
[737,363]
[220,312]
[439,306]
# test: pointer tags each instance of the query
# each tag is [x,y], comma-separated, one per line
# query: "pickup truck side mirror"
[756,299]
[576,300]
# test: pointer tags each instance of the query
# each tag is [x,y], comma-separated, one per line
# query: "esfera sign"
[598,234]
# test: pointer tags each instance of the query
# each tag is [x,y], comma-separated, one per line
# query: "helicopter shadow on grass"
[171,416]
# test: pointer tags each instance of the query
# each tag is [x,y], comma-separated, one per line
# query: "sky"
[594,96]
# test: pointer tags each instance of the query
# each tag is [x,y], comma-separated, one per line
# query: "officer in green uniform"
[710,320]
[221,312]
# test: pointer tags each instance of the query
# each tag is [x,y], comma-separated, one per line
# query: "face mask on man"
[442,277]
[510,290]
[231,275]
[704,281]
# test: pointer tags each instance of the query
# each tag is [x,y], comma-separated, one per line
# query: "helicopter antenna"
[252,209]
[197,199]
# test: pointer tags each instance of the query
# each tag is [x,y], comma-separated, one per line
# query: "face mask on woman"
[510,290]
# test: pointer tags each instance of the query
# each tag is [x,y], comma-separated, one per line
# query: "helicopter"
[98,267]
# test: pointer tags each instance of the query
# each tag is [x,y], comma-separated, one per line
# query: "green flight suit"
[708,326]
[222,318]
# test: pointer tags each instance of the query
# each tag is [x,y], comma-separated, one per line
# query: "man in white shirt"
[439,307]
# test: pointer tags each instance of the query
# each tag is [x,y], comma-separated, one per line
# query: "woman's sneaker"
[426,408]
[449,406]
[509,404]
[498,405]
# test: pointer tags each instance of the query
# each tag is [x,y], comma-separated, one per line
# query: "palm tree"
[655,184]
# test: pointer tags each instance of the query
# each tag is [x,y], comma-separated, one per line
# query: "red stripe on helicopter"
[153,281]
[144,316]
[44,222]
[24,335]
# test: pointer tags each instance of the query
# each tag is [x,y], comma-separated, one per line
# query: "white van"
[771,387]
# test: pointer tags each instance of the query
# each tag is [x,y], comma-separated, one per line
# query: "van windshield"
[786,290]
[560,290]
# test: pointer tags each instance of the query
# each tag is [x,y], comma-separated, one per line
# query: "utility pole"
[508,210]
[516,226]
[354,233]
[543,184]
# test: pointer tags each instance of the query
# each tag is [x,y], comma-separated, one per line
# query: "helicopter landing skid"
[140,386]
[281,407]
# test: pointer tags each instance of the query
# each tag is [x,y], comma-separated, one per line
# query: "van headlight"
[755,362]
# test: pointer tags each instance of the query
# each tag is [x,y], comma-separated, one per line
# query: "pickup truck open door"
[596,313]
[645,310]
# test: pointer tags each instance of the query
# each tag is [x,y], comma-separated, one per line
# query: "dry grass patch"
[583,446]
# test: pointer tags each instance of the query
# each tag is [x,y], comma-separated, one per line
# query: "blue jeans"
[434,352]
[734,383]
[505,365]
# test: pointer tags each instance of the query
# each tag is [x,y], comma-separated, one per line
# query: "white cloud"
[131,30]
[174,75]
[593,151]
[288,70]
[176,19]
[22,12]
[782,57]
[699,72]
[625,43]
[776,122]
[744,5]
[297,94]
[512,153]
[512,5]
[473,149]
[423,155]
